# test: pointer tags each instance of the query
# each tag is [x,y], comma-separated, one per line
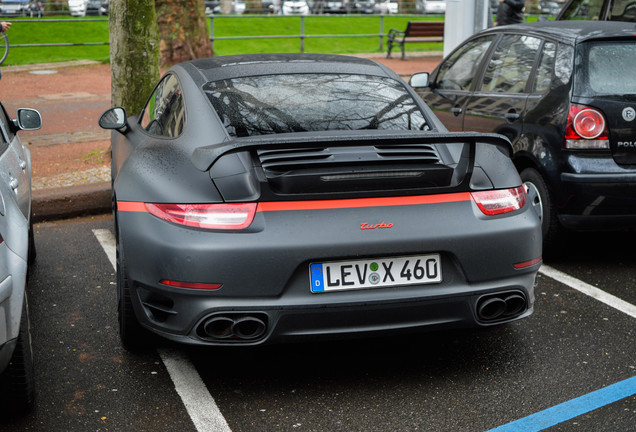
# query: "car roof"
[228,67]
[574,31]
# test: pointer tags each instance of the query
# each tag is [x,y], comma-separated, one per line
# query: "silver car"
[17,249]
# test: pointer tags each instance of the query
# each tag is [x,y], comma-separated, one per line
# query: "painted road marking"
[196,398]
[590,290]
[573,408]
[591,401]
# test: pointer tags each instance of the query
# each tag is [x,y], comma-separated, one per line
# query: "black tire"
[541,200]
[18,380]
[134,337]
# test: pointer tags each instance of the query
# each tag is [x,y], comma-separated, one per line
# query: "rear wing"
[204,157]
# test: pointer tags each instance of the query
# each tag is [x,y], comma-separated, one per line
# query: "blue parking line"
[573,408]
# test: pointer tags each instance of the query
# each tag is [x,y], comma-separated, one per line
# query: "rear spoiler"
[204,157]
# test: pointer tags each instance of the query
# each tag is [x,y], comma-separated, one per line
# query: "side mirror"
[29,119]
[113,118]
[420,80]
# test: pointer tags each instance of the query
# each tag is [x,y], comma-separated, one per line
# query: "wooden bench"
[416,31]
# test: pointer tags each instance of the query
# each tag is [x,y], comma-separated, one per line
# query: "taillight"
[499,201]
[586,129]
[210,216]
[190,285]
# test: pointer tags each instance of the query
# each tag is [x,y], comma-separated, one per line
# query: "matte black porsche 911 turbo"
[266,198]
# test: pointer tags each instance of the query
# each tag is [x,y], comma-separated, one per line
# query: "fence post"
[212,32]
[302,34]
[381,33]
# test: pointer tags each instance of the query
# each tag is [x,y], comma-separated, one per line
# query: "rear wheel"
[543,204]
[18,380]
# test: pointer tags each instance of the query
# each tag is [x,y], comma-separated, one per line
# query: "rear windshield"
[312,102]
[606,68]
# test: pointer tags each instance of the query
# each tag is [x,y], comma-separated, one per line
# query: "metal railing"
[302,35]
[54,44]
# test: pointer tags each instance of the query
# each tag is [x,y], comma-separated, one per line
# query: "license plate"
[375,273]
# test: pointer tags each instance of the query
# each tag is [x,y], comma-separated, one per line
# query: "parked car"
[363,7]
[604,10]
[431,6]
[565,95]
[269,198]
[212,7]
[21,8]
[271,6]
[17,251]
[77,8]
[295,7]
[550,7]
[97,7]
[331,7]
[386,7]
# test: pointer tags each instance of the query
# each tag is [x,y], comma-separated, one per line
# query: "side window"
[623,10]
[583,10]
[459,71]
[545,70]
[511,63]
[164,115]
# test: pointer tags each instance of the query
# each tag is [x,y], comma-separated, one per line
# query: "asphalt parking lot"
[575,356]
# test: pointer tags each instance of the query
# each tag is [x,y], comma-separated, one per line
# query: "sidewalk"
[70,154]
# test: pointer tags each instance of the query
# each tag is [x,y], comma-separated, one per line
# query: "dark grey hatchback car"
[564,93]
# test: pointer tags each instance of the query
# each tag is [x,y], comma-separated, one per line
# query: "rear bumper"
[596,192]
[264,271]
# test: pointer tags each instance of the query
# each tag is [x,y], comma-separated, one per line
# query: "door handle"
[23,165]
[456,111]
[14,183]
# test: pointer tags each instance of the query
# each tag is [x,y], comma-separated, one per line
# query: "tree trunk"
[134,52]
[183,29]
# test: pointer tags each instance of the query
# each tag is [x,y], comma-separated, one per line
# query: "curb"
[45,66]
[72,201]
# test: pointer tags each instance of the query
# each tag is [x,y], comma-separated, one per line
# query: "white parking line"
[201,407]
[590,290]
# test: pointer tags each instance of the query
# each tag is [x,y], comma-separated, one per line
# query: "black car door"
[499,100]
[453,82]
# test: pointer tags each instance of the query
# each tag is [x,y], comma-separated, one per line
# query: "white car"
[432,6]
[386,7]
[299,7]
[77,7]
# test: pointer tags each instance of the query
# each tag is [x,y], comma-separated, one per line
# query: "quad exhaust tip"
[501,306]
[234,327]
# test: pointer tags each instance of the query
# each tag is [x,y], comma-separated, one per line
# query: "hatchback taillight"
[586,129]
[209,216]
[499,201]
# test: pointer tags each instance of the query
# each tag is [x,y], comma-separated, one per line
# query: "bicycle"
[4,46]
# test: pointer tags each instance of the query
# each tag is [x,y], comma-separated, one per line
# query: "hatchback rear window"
[312,102]
[606,68]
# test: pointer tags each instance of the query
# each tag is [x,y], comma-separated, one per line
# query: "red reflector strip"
[362,202]
[131,206]
[190,285]
[527,263]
